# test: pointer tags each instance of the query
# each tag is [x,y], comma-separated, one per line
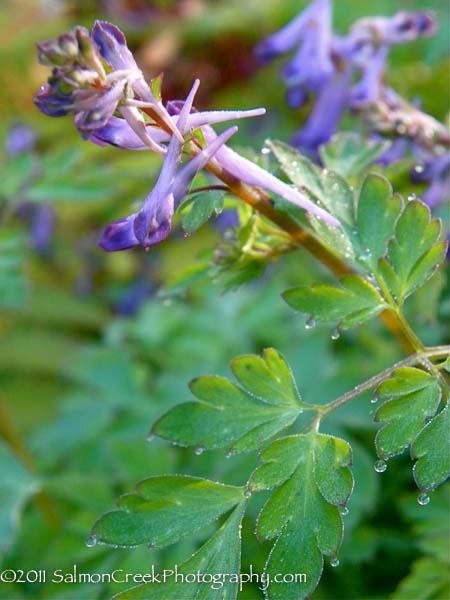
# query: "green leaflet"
[238,417]
[377,213]
[432,451]
[413,397]
[165,509]
[327,189]
[349,154]
[16,487]
[201,207]
[356,302]
[414,253]
[303,513]
[13,285]
[221,554]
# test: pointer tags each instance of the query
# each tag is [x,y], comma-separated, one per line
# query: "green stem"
[376,380]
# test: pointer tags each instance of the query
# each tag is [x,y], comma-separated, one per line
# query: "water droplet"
[334,562]
[229,454]
[411,197]
[335,187]
[91,541]
[419,169]
[247,493]
[167,302]
[374,399]
[423,499]
[343,510]
[186,235]
[336,334]
[367,254]
[380,466]
[199,450]
[310,323]
[265,150]
[150,437]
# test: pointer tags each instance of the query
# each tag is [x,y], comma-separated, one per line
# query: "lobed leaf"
[221,554]
[303,513]
[377,214]
[431,449]
[356,302]
[349,154]
[226,414]
[164,509]
[414,253]
[413,397]
[202,207]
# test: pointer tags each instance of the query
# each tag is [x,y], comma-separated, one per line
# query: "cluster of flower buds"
[96,78]
[348,72]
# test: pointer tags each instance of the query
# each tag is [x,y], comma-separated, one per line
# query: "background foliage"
[95,347]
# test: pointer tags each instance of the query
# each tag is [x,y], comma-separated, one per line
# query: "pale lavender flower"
[19,138]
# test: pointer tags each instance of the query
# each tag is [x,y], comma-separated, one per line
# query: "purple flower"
[252,174]
[153,222]
[20,138]
[80,84]
[311,66]
[325,116]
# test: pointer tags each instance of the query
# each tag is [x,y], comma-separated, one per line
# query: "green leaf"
[165,509]
[239,417]
[202,207]
[16,486]
[221,554]
[356,302]
[428,580]
[326,189]
[413,397]
[377,214]
[303,513]
[13,289]
[414,253]
[349,154]
[432,451]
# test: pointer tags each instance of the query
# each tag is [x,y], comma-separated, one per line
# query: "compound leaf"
[413,397]
[303,513]
[221,554]
[164,509]
[229,415]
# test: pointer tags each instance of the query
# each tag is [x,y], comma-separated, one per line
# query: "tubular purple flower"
[291,35]
[117,132]
[252,174]
[369,88]
[325,116]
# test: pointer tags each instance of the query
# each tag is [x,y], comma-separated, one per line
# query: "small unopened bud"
[68,44]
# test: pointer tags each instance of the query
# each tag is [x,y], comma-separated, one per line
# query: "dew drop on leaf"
[336,334]
[380,466]
[91,541]
[199,450]
[374,399]
[229,454]
[150,437]
[343,510]
[411,197]
[334,562]
[423,499]
[310,323]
